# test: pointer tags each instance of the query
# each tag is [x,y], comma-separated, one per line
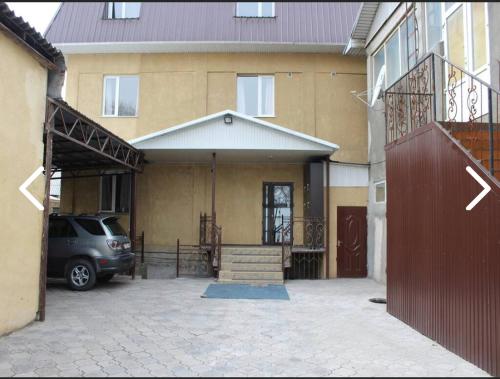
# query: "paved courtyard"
[164,328]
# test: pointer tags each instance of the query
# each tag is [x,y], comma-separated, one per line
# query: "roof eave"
[328,145]
[355,47]
[195,46]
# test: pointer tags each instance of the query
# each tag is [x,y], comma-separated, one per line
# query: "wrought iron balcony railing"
[437,90]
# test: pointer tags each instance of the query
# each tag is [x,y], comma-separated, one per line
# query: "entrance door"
[351,242]
[277,208]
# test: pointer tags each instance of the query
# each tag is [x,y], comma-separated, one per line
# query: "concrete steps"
[251,265]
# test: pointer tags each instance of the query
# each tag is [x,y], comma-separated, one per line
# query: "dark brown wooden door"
[351,242]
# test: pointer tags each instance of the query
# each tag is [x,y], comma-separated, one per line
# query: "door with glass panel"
[277,212]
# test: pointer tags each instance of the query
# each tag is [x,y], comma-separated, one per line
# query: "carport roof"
[81,144]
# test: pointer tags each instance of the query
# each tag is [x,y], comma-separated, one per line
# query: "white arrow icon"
[23,188]
[482,194]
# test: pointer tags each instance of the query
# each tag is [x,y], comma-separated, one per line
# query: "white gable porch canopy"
[234,137]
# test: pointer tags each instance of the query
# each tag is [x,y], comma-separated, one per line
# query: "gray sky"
[38,15]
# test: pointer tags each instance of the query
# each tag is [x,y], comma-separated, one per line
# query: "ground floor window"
[380,196]
[115,193]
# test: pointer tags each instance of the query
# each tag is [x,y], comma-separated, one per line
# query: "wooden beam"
[45,225]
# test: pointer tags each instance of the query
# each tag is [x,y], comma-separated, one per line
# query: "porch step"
[251,264]
[249,258]
[253,282]
[251,275]
[260,267]
[251,251]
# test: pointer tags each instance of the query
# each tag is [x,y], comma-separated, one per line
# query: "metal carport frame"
[74,143]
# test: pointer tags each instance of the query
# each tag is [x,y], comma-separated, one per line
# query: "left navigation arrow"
[23,188]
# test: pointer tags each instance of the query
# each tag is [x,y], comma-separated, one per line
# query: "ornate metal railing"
[437,90]
[286,244]
[191,260]
[205,229]
[302,247]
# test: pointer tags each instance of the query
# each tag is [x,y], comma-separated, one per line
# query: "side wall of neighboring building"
[393,14]
[24,86]
[388,14]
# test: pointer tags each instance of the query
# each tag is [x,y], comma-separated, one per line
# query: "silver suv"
[85,249]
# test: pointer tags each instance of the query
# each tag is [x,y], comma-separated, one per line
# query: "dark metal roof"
[82,144]
[299,23]
[27,34]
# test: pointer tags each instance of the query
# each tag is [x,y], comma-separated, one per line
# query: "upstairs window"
[255,95]
[123,10]
[120,96]
[115,193]
[434,23]
[254,9]
[397,53]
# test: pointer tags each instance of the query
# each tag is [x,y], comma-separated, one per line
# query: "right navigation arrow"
[482,194]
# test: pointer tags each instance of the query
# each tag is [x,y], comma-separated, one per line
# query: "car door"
[62,240]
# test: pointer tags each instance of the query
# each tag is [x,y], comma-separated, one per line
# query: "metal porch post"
[490,132]
[49,124]
[212,229]
[327,219]
[133,230]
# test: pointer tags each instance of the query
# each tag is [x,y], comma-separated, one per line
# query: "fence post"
[177,260]
[490,124]
[142,247]
[219,259]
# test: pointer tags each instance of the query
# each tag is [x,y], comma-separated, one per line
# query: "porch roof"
[245,139]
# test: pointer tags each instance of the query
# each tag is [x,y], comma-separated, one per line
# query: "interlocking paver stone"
[164,328]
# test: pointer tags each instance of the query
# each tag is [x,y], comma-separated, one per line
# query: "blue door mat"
[246,291]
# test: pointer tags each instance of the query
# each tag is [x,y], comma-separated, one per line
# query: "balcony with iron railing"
[436,90]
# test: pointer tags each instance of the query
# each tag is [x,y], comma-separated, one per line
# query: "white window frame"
[375,191]
[113,175]
[259,93]
[397,29]
[468,40]
[122,16]
[374,74]
[259,9]
[427,47]
[117,95]
[113,194]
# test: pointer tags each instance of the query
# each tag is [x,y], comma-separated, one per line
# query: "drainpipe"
[55,80]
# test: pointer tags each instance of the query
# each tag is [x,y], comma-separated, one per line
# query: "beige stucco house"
[27,63]
[242,112]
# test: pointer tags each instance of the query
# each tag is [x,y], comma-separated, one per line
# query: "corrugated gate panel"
[443,264]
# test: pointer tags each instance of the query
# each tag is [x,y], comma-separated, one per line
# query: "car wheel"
[105,278]
[80,275]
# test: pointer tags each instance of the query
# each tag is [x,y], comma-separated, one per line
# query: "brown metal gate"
[443,262]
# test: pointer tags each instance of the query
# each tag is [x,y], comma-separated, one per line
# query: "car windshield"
[114,227]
